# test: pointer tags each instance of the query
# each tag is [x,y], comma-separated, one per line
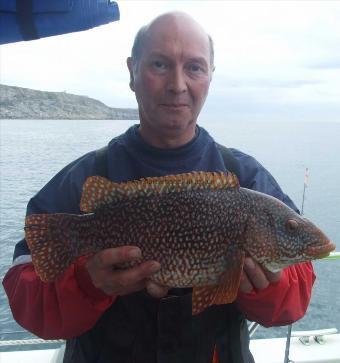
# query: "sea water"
[33,151]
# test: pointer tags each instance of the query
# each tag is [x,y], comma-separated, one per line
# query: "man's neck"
[167,140]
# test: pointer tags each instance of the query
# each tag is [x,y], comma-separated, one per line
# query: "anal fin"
[223,293]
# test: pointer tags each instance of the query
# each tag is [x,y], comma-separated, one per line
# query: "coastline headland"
[25,103]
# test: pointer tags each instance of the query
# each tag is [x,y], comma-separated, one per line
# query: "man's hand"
[101,268]
[256,277]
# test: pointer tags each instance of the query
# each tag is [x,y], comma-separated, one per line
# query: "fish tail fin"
[48,238]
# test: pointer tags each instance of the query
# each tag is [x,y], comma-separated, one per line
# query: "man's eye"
[159,65]
[195,68]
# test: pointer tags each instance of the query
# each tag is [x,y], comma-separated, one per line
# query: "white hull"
[264,350]
[33,356]
[273,350]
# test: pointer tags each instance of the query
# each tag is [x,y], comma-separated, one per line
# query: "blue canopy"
[34,19]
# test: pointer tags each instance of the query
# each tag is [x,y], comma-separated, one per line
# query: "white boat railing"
[35,341]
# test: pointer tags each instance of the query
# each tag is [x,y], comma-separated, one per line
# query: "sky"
[275,60]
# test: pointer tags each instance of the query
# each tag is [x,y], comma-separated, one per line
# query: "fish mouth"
[320,251]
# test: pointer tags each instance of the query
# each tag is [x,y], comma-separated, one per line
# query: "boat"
[314,346]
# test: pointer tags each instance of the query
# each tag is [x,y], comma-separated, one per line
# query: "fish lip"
[320,251]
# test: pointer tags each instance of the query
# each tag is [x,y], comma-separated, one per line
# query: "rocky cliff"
[25,103]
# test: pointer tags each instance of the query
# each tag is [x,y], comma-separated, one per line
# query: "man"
[112,315]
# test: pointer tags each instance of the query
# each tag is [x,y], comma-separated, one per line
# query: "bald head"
[175,21]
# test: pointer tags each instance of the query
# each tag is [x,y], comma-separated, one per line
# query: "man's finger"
[272,276]
[255,274]
[117,255]
[156,290]
[245,285]
[116,289]
[132,276]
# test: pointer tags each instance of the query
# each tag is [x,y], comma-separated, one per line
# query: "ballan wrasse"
[199,226]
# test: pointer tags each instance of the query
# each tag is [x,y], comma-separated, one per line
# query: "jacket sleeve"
[60,310]
[70,305]
[283,302]
[287,300]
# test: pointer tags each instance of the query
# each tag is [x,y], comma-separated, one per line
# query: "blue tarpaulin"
[34,19]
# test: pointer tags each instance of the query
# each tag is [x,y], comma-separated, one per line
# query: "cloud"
[271,57]
[326,64]
[270,83]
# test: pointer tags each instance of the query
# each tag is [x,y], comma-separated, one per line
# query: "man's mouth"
[174,105]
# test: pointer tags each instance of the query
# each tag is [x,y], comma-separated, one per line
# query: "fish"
[199,226]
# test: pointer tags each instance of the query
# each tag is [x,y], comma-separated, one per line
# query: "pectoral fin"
[223,293]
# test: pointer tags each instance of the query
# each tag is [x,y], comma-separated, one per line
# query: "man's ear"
[132,79]
[212,72]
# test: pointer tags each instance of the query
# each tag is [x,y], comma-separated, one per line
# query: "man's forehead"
[176,27]
[175,19]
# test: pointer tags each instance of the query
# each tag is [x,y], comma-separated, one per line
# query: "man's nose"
[177,81]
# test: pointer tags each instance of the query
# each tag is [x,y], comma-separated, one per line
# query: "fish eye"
[292,225]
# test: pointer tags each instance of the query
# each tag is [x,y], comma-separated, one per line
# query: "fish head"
[277,236]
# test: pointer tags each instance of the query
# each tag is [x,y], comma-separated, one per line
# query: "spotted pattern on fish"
[199,226]
[99,191]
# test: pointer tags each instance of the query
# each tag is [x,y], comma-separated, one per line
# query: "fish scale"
[198,226]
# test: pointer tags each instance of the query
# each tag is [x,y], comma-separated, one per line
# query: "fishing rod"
[332,256]
[289,332]
[305,182]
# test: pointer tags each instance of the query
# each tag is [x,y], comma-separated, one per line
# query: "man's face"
[172,78]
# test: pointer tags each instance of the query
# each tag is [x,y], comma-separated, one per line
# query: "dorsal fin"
[99,191]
